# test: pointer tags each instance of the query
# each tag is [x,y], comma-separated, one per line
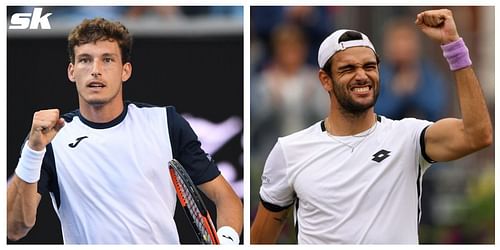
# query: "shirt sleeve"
[186,148]
[418,128]
[276,193]
[48,182]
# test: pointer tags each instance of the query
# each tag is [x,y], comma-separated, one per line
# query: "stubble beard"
[97,102]
[350,107]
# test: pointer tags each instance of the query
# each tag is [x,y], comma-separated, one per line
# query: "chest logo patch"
[78,140]
[381,155]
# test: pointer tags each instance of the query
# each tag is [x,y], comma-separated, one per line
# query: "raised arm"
[22,194]
[451,138]
[229,209]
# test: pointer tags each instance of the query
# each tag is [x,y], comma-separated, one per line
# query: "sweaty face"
[355,79]
[99,73]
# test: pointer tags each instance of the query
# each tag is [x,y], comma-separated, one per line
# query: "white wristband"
[228,236]
[29,165]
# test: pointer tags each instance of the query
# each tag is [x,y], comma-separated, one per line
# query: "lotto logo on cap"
[331,45]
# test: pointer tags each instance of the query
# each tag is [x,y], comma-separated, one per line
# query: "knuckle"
[55,113]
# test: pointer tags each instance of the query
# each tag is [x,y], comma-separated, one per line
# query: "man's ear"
[326,80]
[126,71]
[71,71]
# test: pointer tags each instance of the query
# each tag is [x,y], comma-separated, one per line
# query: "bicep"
[445,140]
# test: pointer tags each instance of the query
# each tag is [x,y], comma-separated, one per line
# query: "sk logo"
[21,21]
[381,155]
[78,140]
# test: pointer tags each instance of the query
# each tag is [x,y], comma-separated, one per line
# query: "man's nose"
[96,68]
[360,74]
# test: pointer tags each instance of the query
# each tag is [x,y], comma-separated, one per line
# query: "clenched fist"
[45,125]
[438,25]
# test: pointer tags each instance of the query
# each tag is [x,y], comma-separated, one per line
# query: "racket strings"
[195,213]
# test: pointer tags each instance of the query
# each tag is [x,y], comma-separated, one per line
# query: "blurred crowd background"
[286,96]
[137,13]
[144,20]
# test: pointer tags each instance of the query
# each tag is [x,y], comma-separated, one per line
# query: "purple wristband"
[457,54]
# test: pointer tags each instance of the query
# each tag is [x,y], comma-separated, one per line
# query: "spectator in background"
[315,22]
[136,12]
[228,11]
[77,13]
[287,94]
[410,84]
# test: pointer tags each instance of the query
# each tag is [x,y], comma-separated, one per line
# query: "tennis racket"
[192,204]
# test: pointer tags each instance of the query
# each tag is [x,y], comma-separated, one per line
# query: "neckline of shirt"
[105,125]
[358,135]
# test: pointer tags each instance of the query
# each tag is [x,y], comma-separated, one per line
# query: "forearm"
[475,116]
[230,213]
[22,204]
[229,207]
[477,130]
[267,226]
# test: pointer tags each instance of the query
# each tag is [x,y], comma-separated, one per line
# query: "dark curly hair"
[100,29]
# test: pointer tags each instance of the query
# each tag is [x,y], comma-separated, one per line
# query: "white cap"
[331,45]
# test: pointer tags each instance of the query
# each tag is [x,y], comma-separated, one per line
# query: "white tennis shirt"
[110,183]
[369,194]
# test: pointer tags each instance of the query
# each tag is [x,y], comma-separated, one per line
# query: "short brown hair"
[100,29]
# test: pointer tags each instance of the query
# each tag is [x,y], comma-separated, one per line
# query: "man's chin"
[358,108]
[96,102]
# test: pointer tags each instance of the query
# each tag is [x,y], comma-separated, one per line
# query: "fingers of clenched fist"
[438,25]
[45,119]
[46,123]
[433,18]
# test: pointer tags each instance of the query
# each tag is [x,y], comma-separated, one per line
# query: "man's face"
[355,79]
[99,73]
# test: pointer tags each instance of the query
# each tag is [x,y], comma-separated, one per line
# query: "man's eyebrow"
[83,55]
[370,63]
[109,54]
[103,55]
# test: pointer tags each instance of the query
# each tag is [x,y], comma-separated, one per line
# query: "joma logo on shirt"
[78,140]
